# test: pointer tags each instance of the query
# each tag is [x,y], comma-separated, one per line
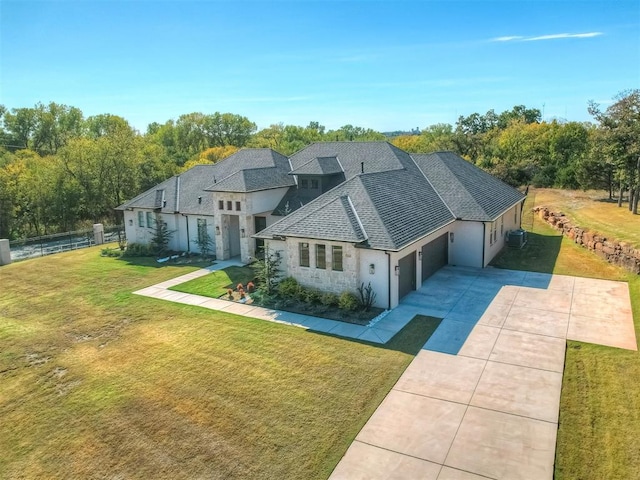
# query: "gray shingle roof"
[319,166]
[376,156]
[180,193]
[395,208]
[470,192]
[246,170]
[251,169]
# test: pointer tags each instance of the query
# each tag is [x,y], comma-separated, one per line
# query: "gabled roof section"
[392,209]
[334,219]
[353,157]
[250,170]
[247,170]
[319,166]
[470,192]
[252,180]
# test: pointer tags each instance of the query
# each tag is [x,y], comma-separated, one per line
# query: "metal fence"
[60,242]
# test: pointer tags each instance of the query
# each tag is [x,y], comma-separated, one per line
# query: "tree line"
[60,170]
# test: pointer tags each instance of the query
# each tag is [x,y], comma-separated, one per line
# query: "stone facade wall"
[326,279]
[613,251]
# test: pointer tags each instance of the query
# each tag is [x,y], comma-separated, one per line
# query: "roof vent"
[199,199]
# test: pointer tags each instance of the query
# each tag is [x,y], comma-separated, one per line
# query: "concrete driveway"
[481,400]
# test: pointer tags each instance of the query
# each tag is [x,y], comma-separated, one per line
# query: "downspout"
[484,240]
[188,237]
[389,282]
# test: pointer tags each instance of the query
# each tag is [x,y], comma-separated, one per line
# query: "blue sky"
[384,65]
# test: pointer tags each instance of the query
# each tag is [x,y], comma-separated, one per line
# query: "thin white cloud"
[563,35]
[555,36]
[507,39]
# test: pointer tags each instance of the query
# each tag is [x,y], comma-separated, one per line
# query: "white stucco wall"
[264,201]
[190,243]
[379,279]
[176,223]
[510,220]
[466,248]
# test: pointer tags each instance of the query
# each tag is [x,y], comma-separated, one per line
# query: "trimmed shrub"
[329,299]
[111,252]
[312,296]
[137,250]
[251,287]
[348,301]
[289,287]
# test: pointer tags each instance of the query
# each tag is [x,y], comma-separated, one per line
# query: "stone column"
[98,233]
[5,252]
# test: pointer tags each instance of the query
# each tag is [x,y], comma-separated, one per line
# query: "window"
[304,183]
[321,256]
[304,254]
[141,219]
[237,206]
[336,255]
[515,216]
[314,184]
[502,225]
[220,204]
[150,220]
[229,205]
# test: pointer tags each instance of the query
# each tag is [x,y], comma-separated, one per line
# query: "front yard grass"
[600,403]
[217,282]
[100,383]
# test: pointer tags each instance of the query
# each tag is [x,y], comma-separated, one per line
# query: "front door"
[259,223]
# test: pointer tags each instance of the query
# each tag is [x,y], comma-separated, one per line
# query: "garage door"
[407,280]
[435,255]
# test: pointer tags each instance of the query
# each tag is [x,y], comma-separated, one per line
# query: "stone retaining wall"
[613,251]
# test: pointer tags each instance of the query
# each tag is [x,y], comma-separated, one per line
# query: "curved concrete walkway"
[481,400]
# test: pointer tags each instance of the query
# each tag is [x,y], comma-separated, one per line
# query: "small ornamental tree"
[268,272]
[204,241]
[161,237]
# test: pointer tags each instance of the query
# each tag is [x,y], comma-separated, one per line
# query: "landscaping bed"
[238,284]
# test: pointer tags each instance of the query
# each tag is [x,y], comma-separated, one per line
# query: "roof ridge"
[366,191]
[435,189]
[457,179]
[355,212]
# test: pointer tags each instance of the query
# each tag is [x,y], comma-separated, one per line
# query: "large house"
[338,214]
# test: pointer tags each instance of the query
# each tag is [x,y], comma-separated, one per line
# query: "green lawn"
[216,283]
[99,383]
[600,404]
[594,210]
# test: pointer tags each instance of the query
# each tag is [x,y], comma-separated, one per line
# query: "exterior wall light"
[451,236]
[217,229]
[242,234]
[372,268]
[397,269]
[420,255]
[130,222]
